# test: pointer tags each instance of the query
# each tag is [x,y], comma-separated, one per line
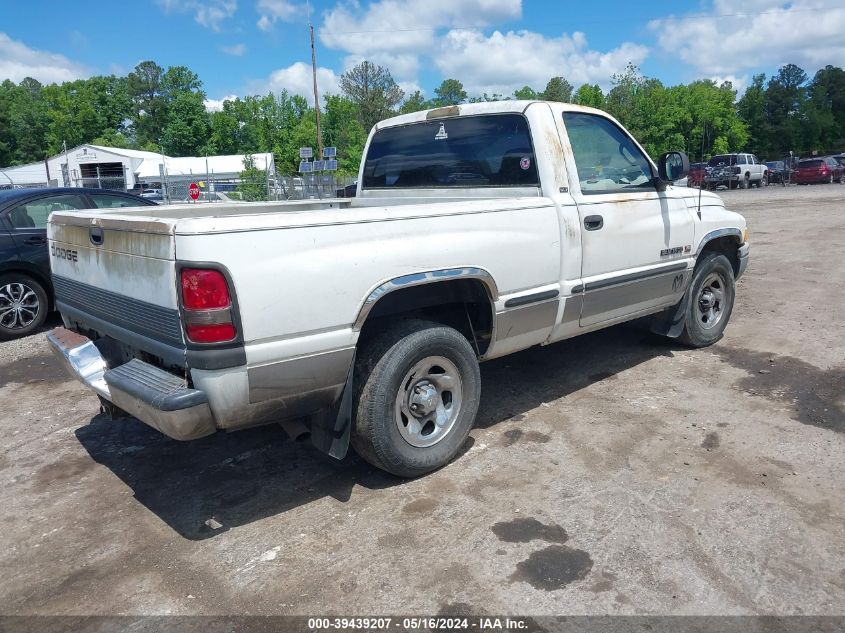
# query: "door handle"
[593,222]
[35,241]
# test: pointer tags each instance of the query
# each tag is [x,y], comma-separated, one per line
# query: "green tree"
[558,89]
[253,185]
[785,99]
[621,100]
[373,91]
[526,93]
[751,109]
[342,130]
[414,103]
[589,95]
[186,132]
[449,92]
[145,89]
[826,107]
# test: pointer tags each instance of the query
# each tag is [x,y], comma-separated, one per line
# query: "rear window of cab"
[469,151]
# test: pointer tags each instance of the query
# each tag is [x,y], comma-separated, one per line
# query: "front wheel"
[710,301]
[764,182]
[23,305]
[417,390]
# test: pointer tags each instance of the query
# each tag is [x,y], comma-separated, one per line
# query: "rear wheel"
[711,298]
[418,386]
[23,305]
[746,182]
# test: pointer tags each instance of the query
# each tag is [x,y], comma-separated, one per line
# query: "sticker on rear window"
[441,134]
[525,163]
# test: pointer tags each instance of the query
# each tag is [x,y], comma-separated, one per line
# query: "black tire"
[381,370]
[696,331]
[764,182]
[18,289]
[745,183]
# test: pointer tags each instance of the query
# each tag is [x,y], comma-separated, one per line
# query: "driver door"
[636,240]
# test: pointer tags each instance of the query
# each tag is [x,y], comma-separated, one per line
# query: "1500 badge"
[64,253]
[677,250]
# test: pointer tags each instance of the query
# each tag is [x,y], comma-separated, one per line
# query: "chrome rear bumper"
[81,358]
[154,396]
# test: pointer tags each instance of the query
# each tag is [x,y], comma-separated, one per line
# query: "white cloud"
[17,60]
[208,13]
[767,34]
[271,11]
[297,80]
[215,105]
[237,50]
[503,62]
[394,33]
[403,35]
[739,83]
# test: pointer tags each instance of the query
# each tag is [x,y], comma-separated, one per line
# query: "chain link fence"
[25,185]
[174,189]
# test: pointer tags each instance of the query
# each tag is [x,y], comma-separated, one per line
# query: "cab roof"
[486,107]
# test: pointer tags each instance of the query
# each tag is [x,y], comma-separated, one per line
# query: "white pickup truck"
[477,231]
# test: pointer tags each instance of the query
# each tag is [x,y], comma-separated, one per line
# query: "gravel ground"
[615,473]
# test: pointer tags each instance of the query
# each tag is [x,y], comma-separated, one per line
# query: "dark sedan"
[778,171]
[25,288]
[816,170]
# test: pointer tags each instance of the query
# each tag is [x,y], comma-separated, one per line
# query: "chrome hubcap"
[711,301]
[18,306]
[429,401]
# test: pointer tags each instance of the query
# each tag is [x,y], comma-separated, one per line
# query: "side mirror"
[672,166]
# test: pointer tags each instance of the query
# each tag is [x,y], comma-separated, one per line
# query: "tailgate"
[117,275]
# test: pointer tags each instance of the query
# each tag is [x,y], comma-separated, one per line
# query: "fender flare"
[712,235]
[423,278]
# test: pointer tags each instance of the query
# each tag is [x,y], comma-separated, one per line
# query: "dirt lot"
[614,473]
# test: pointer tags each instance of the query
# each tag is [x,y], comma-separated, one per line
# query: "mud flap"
[330,428]
[670,322]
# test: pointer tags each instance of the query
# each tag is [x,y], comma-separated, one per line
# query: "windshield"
[472,151]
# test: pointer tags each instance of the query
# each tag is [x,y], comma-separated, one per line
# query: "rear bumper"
[156,397]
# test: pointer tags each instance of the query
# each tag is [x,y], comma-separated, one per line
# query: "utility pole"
[314,76]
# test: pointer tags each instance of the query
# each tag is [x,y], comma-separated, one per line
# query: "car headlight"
[745,235]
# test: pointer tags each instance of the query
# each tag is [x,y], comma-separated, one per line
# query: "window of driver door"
[607,159]
[34,214]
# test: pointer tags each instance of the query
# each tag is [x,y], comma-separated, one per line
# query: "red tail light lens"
[207,306]
[204,289]
[211,333]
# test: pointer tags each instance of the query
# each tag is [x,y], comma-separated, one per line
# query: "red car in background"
[695,176]
[814,170]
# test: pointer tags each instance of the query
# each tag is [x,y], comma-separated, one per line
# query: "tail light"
[207,306]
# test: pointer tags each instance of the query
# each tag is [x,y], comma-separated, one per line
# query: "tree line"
[163,110]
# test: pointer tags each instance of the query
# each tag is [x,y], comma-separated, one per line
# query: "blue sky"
[246,46]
